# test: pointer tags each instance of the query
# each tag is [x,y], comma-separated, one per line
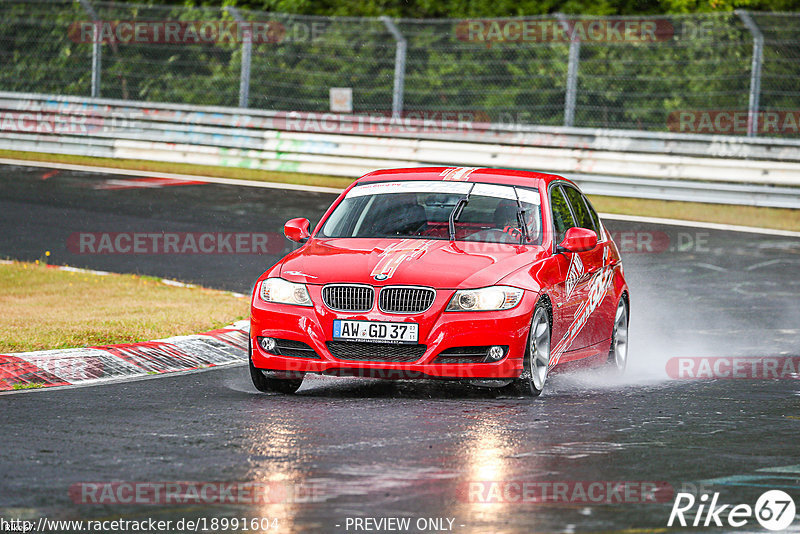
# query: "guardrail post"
[97,51]
[247,54]
[572,71]
[755,71]
[399,66]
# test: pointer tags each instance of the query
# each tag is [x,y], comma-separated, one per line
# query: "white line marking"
[698,224]
[176,283]
[192,177]
[712,267]
[771,262]
[334,190]
[77,270]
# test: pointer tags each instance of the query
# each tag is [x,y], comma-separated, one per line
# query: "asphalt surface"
[355,448]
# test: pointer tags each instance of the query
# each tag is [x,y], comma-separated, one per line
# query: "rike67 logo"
[774,510]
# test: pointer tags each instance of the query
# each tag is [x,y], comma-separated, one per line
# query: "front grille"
[406,299]
[463,355]
[349,298]
[293,349]
[375,352]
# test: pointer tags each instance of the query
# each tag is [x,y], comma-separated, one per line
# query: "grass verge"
[31,385]
[781,219]
[46,308]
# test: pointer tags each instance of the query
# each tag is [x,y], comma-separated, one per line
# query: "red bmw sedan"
[488,275]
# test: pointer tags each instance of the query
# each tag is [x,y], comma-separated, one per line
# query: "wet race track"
[450,455]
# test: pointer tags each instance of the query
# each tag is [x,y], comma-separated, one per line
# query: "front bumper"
[438,331]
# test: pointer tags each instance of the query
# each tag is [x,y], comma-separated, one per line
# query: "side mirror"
[297,230]
[578,240]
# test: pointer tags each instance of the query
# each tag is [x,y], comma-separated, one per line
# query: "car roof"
[466,174]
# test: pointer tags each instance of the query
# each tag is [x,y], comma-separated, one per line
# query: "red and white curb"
[92,365]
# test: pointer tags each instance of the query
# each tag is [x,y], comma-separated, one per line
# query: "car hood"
[427,262]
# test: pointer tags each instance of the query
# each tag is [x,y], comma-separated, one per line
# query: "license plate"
[375,332]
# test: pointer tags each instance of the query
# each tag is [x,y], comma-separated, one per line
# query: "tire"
[266,384]
[618,353]
[537,355]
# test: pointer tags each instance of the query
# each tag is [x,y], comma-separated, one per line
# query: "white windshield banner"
[454,188]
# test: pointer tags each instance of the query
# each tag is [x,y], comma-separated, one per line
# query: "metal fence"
[640,73]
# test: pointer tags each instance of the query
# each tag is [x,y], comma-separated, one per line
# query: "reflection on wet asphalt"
[355,447]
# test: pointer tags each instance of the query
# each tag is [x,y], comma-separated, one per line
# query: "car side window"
[562,217]
[582,214]
[595,218]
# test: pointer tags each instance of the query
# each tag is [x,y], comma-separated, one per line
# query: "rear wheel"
[537,356]
[267,384]
[618,355]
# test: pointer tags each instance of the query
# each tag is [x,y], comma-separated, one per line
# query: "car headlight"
[485,299]
[284,292]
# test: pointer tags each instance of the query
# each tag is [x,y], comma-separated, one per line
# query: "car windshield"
[423,209]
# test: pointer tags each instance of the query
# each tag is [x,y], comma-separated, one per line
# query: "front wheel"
[618,355]
[536,363]
[266,384]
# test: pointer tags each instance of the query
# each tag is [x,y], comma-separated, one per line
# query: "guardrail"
[719,169]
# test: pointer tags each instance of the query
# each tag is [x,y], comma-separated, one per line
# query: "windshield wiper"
[456,213]
[523,224]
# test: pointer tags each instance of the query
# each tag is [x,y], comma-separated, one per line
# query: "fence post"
[399,66]
[572,71]
[247,54]
[755,71]
[97,51]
